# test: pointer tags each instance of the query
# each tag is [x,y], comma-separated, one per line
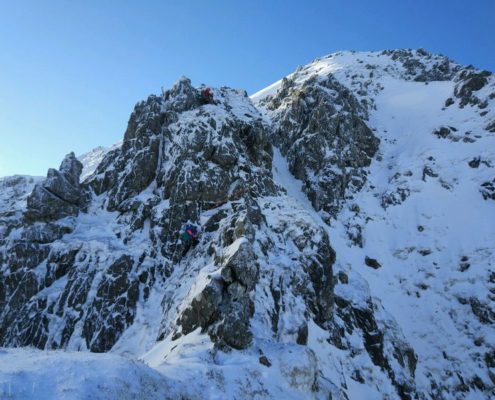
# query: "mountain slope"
[424,212]
[352,260]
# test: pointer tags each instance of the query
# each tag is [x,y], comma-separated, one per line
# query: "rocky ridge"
[97,265]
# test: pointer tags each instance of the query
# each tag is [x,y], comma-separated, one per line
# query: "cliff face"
[287,286]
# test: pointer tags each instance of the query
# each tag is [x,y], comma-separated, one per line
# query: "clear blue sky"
[71,71]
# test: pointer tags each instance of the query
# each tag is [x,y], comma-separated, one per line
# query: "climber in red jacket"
[206,96]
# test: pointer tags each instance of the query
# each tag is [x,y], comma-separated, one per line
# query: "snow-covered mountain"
[347,247]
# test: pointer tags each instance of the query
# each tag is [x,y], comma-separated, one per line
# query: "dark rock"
[464,266]
[343,278]
[442,132]
[58,264]
[490,127]
[203,310]
[395,197]
[264,361]
[374,339]
[357,376]
[449,102]
[241,267]
[470,81]
[234,329]
[26,255]
[424,252]
[214,222]
[484,313]
[328,150]
[427,171]
[475,162]
[44,232]
[113,308]
[371,262]
[487,190]
[302,335]
[490,359]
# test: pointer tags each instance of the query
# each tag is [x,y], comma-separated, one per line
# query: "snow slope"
[424,242]
[46,375]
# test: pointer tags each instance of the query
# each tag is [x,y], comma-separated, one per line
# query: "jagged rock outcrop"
[14,191]
[59,195]
[405,96]
[358,312]
[177,160]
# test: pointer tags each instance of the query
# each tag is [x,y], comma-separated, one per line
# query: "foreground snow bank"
[43,375]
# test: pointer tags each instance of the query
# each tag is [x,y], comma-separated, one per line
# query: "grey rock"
[44,232]
[241,267]
[59,195]
[422,66]
[490,127]
[442,132]
[355,317]
[203,310]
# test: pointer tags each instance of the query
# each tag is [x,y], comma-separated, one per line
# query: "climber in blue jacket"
[189,233]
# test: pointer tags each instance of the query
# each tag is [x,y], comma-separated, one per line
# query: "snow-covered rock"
[92,159]
[346,249]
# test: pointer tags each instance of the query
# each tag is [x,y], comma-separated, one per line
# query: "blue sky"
[71,71]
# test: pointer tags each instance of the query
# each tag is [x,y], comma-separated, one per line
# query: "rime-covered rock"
[320,127]
[59,195]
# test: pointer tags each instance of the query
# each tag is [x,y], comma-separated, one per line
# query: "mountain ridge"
[281,279]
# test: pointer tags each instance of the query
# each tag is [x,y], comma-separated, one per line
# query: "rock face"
[320,127]
[275,283]
[59,195]
[177,160]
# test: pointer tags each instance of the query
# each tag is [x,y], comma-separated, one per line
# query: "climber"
[206,96]
[189,233]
